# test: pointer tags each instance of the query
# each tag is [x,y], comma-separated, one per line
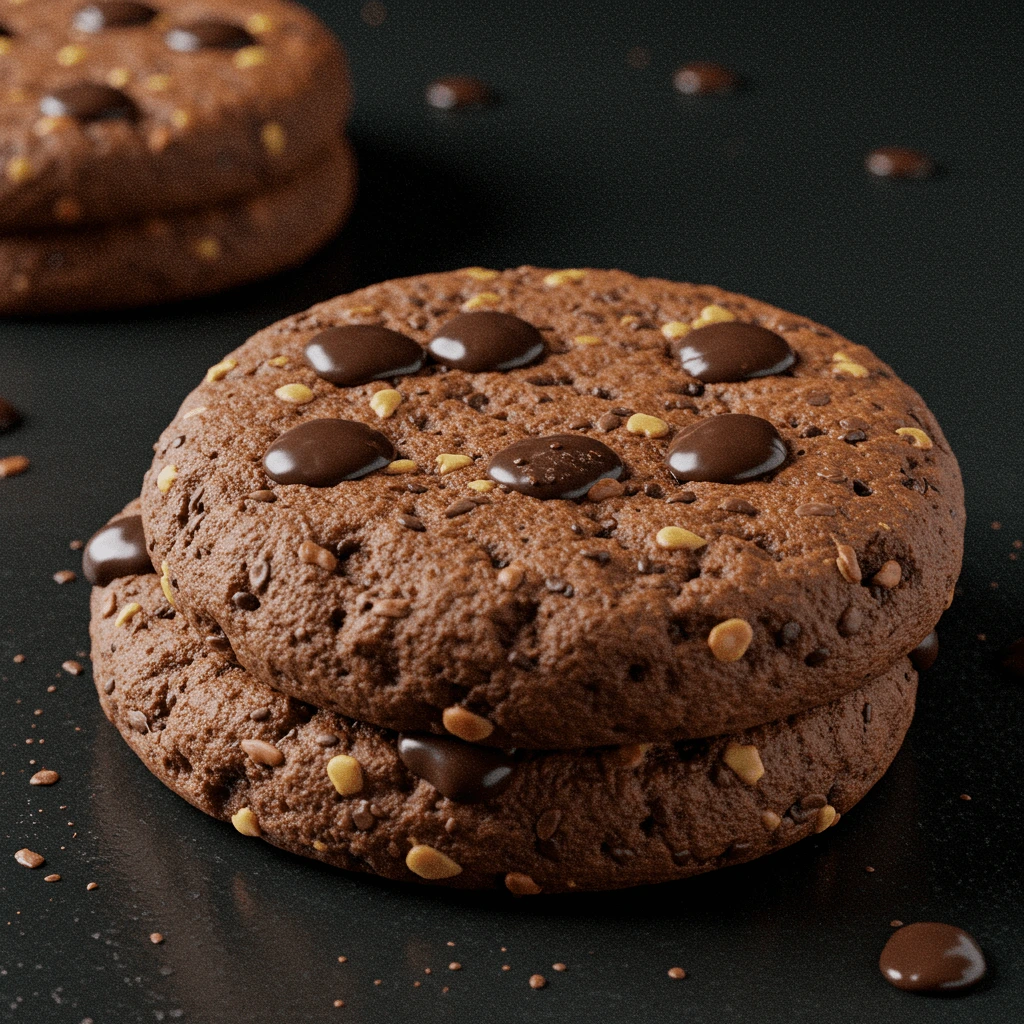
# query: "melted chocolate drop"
[208,35]
[560,466]
[924,655]
[478,342]
[732,448]
[88,101]
[113,14]
[322,453]
[348,356]
[726,352]
[458,770]
[928,957]
[119,549]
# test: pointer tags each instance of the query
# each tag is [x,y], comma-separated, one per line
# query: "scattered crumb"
[506,967]
[342,959]
[869,869]
[676,973]
[52,878]
[73,668]
[997,525]
[13,465]
[538,981]
[91,886]
[417,984]
[76,545]
[373,13]
[377,981]
[455,966]
[451,943]
[965,796]
[895,923]
[558,967]
[46,777]
[156,938]
[64,576]
[29,858]
[339,1002]
[18,659]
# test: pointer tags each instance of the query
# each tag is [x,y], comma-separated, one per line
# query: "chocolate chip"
[601,557]
[208,35]
[359,353]
[487,341]
[562,466]
[819,398]
[684,497]
[88,101]
[817,657]
[730,448]
[789,634]
[116,551]
[811,431]
[9,416]
[245,602]
[326,452]
[732,351]
[112,14]
[853,436]
[861,489]
[850,622]
[609,422]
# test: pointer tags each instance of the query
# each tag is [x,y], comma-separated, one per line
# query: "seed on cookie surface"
[166,477]
[295,394]
[481,486]
[588,339]
[712,314]
[480,273]
[825,817]
[770,820]
[220,370]
[461,722]
[19,169]
[520,884]
[675,329]
[384,403]
[745,761]
[919,438]
[314,554]
[346,774]
[730,639]
[481,301]
[128,612]
[511,576]
[208,248]
[448,463]
[250,57]
[401,466]
[889,576]
[263,752]
[165,584]
[431,864]
[649,426]
[846,561]
[246,822]
[674,538]
[559,277]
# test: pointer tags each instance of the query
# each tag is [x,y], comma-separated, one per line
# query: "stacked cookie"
[552,580]
[156,151]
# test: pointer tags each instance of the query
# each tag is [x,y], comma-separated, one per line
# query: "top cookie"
[622,536]
[114,109]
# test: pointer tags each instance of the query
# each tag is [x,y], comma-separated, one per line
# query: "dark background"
[587,160]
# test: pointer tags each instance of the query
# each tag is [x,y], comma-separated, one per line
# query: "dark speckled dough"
[578,820]
[562,623]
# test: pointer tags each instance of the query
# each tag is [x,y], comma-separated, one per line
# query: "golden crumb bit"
[481,486]
[362,311]
[466,725]
[346,774]
[825,817]
[218,371]
[158,83]
[770,820]
[19,169]
[588,339]
[919,438]
[713,315]
[675,329]
[208,248]
[673,538]
[181,118]
[319,846]
[313,554]
[649,426]
[384,403]
[166,477]
[250,57]
[730,639]
[295,394]
[842,363]
[278,361]
[745,761]
[431,864]
[259,23]
[165,584]
[273,138]
[559,277]
[480,273]
[246,822]
[481,300]
[70,55]
[400,466]
[448,463]
[628,319]
[846,561]
[128,612]
[118,78]
[521,885]
[889,576]
[5,46]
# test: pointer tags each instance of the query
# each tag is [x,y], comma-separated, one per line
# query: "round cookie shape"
[561,466]
[724,352]
[353,355]
[221,103]
[732,448]
[477,342]
[648,609]
[108,14]
[160,260]
[340,791]
[322,453]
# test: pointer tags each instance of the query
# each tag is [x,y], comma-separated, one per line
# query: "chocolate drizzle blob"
[732,448]
[119,549]
[930,957]
[358,354]
[560,466]
[322,453]
[487,341]
[88,101]
[725,352]
[460,771]
[112,14]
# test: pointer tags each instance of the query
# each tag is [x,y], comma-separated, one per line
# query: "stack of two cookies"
[159,150]
[545,580]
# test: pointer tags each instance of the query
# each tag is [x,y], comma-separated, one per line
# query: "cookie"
[115,110]
[160,259]
[436,809]
[603,510]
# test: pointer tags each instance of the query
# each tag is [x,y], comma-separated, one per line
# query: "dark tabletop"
[589,159]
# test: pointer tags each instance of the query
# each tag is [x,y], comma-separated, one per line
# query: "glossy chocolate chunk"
[457,91]
[728,449]
[929,957]
[478,342]
[208,35]
[560,466]
[117,550]
[348,356]
[925,654]
[458,770]
[725,352]
[701,77]
[899,162]
[113,14]
[322,453]
[88,101]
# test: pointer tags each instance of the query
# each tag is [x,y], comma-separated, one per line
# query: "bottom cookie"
[177,257]
[358,797]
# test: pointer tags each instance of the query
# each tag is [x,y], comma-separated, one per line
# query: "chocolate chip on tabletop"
[899,162]
[701,77]
[457,91]
[9,416]
[932,957]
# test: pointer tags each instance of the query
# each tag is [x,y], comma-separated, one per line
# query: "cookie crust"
[563,624]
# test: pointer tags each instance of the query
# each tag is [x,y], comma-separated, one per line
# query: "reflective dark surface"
[586,160]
